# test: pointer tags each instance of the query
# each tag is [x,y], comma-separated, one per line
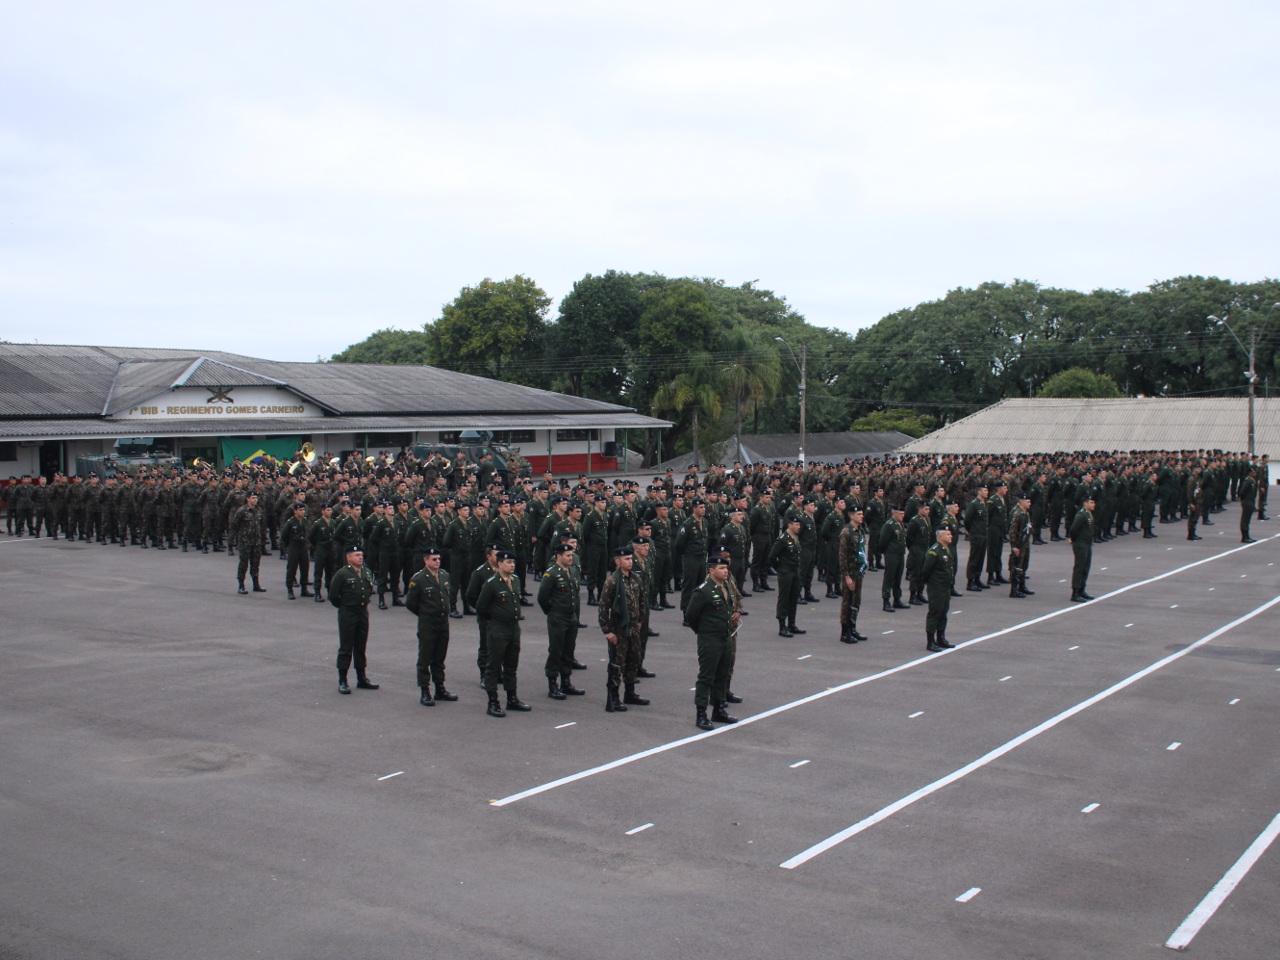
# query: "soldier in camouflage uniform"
[852,565]
[246,529]
[621,620]
[1021,536]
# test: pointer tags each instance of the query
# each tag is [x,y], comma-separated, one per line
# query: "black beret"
[623,552]
[563,548]
[504,555]
[432,552]
[352,548]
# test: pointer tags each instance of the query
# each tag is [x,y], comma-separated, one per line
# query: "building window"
[569,436]
[388,440]
[513,437]
[9,451]
[450,437]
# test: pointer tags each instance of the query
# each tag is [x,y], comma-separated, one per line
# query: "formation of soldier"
[451,543]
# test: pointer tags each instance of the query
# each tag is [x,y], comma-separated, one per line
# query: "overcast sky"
[282,179]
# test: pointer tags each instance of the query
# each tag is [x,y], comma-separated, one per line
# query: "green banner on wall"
[282,448]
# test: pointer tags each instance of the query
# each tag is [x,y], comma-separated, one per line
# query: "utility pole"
[804,370]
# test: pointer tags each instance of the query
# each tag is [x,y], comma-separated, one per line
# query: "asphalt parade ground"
[181,777]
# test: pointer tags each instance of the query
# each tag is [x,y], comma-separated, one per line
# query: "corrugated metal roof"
[818,448]
[46,380]
[89,428]
[137,381]
[1061,426]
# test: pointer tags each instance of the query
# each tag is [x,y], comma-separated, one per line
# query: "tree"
[911,422]
[698,389]
[752,373]
[494,329]
[590,342]
[1079,382]
[387,346]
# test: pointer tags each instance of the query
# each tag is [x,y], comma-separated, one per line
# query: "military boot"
[794,629]
[567,687]
[342,682]
[845,635]
[382,601]
[932,644]
[631,698]
[257,587]
[515,703]
[240,588]
[289,590]
[721,715]
[702,723]
[888,607]
[942,641]
[783,630]
[553,689]
[306,590]
[364,683]
[495,708]
[445,695]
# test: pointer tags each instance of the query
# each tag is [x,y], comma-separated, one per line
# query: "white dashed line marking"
[1173,606]
[1234,702]
[886,633]
[569,724]
[1211,589]
[1174,746]
[635,830]
[390,775]
[1062,581]
[968,895]
[1003,679]
[800,763]
[805,657]
[1128,625]
[1102,568]
[1076,647]
[1243,575]
[1090,808]
[918,713]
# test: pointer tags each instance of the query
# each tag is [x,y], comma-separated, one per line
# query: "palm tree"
[697,390]
[753,374]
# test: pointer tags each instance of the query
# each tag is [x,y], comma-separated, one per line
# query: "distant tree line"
[719,360]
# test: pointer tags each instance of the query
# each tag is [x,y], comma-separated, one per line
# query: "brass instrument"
[309,452]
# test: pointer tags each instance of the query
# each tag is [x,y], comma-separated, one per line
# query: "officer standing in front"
[428,599]
[559,596]
[937,573]
[499,605]
[713,619]
[349,591]
[1081,536]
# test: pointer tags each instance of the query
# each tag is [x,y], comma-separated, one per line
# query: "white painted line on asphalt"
[745,722]
[1128,625]
[1234,702]
[1062,581]
[1137,558]
[1102,568]
[692,689]
[1243,575]
[886,633]
[1003,679]
[799,764]
[1198,917]
[1175,745]
[1090,808]
[1076,647]
[1168,548]
[569,724]
[643,826]
[918,713]
[968,895]
[1211,589]
[1173,606]
[390,775]
[1010,745]
[805,657]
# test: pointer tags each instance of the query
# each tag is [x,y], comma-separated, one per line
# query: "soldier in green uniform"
[713,618]
[1021,536]
[1081,536]
[479,577]
[829,546]
[735,539]
[1150,493]
[457,540]
[691,550]
[938,574]
[324,550]
[762,523]
[662,537]
[852,565]
[808,549]
[428,599]
[1248,494]
[293,541]
[892,541]
[246,530]
[559,597]
[346,531]
[383,540]
[997,523]
[975,525]
[499,605]
[875,516]
[621,618]
[918,539]
[784,556]
[595,544]
[350,590]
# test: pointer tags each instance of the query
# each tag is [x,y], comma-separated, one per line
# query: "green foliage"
[1079,382]
[387,346]
[911,422]
[491,329]
[697,390]
[592,339]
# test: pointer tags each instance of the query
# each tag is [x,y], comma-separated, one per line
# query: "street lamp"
[802,365]
[1251,352]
